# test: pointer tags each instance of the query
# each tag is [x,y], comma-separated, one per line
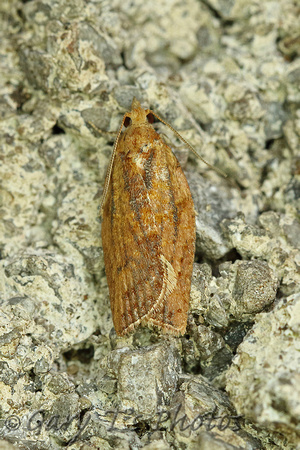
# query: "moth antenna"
[190,146]
[110,166]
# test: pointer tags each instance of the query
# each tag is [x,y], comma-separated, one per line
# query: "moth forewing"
[148,231]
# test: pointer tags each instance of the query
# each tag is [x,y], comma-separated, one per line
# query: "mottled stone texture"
[268,362]
[225,74]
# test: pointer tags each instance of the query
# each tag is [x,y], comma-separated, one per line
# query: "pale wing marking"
[169,284]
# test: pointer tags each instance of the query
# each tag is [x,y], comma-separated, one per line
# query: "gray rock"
[148,378]
[212,205]
[271,242]
[254,288]
[225,74]
[198,409]
[263,381]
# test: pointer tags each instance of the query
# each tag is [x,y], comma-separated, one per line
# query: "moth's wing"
[178,235]
[136,273]
[148,235]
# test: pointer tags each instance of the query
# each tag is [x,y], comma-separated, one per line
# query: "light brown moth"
[148,229]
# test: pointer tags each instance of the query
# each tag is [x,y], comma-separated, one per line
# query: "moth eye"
[127,122]
[150,118]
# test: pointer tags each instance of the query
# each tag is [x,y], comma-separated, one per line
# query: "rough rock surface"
[268,361]
[225,74]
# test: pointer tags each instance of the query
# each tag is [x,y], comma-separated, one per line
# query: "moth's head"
[138,115]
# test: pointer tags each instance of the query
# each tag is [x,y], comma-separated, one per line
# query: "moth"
[148,229]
